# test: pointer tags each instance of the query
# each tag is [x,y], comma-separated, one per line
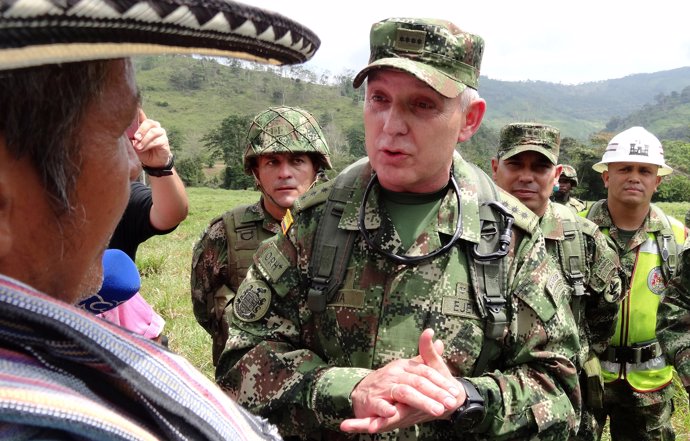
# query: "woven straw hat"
[39,32]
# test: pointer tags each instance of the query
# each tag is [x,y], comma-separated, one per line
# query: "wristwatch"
[166,170]
[471,412]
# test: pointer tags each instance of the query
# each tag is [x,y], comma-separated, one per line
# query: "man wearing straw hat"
[66,99]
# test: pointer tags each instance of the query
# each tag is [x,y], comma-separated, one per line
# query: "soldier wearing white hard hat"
[638,392]
[634,145]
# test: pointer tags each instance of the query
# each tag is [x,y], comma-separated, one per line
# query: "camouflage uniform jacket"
[298,368]
[673,318]
[576,204]
[572,202]
[602,283]
[627,252]
[220,261]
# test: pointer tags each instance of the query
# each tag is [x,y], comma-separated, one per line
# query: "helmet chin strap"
[265,193]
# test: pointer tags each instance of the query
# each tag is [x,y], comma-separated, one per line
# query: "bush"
[190,170]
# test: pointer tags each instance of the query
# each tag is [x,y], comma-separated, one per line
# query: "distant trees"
[226,142]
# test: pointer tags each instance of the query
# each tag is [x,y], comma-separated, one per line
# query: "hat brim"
[435,78]
[663,170]
[530,148]
[50,32]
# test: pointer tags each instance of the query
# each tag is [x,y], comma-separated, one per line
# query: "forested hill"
[207,106]
[174,85]
[583,109]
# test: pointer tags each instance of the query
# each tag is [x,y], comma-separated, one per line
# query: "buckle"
[632,355]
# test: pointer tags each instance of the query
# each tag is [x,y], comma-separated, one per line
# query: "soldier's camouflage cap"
[285,129]
[570,173]
[521,137]
[436,51]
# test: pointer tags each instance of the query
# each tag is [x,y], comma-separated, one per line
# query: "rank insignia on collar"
[287,222]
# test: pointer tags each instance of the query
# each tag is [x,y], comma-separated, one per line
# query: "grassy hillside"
[194,95]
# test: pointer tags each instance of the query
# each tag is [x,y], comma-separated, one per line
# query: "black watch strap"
[166,170]
[471,412]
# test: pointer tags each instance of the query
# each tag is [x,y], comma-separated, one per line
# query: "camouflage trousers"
[635,416]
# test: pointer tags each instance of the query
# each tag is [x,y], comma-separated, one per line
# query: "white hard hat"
[634,145]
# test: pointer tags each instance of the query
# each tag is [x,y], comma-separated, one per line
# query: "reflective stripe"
[649,246]
[653,364]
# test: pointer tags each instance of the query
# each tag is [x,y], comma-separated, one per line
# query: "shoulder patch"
[272,261]
[252,301]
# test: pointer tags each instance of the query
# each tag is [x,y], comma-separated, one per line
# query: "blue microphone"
[120,282]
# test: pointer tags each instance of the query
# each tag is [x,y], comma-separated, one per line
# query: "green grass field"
[165,263]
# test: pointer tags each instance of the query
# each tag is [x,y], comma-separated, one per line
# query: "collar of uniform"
[447,211]
[551,224]
[256,213]
[653,222]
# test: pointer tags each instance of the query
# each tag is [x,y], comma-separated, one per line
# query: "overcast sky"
[567,42]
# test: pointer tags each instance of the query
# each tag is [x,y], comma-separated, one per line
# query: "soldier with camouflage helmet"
[638,393]
[526,166]
[566,182]
[433,329]
[286,153]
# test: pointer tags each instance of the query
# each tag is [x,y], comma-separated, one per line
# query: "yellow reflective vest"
[634,354]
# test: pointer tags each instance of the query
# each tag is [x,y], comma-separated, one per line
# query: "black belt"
[636,354]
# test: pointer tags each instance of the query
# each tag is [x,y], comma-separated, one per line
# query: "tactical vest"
[569,253]
[244,234]
[634,353]
[244,237]
[332,250]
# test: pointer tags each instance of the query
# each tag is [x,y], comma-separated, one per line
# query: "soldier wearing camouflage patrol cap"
[526,166]
[362,320]
[566,182]
[638,392]
[287,153]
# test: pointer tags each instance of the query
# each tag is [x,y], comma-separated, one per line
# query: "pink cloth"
[136,315]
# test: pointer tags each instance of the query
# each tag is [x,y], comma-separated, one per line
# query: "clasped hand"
[406,392]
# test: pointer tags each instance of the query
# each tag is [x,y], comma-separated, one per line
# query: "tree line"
[225,144]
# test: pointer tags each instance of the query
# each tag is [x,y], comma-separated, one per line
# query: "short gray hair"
[42,109]
[467,97]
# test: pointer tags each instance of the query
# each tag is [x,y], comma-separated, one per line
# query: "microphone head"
[120,282]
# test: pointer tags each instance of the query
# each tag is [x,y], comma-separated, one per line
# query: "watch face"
[471,416]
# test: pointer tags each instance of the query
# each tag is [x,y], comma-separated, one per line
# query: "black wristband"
[157,172]
[471,412]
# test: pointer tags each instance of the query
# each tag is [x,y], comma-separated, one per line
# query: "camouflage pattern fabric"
[636,416]
[576,204]
[285,129]
[620,401]
[436,51]
[516,138]
[603,292]
[214,282]
[298,368]
[603,285]
[570,173]
[673,318]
